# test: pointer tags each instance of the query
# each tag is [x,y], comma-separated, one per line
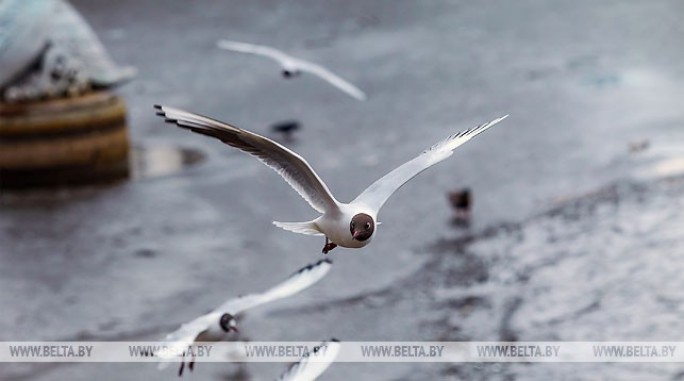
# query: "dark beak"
[234,329]
[356,235]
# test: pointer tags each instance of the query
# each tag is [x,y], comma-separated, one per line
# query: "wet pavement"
[573,236]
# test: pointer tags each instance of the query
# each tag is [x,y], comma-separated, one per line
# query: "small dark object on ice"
[639,145]
[286,128]
[460,201]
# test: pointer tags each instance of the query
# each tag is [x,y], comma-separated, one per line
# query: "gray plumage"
[48,50]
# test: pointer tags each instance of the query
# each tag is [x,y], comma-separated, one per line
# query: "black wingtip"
[334,340]
[160,113]
[310,266]
[158,107]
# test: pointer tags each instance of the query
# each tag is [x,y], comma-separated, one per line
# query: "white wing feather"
[377,194]
[312,366]
[333,79]
[294,63]
[260,50]
[288,164]
[307,228]
[304,278]
[183,337]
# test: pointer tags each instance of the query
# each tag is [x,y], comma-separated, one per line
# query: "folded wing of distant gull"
[345,224]
[293,66]
[219,323]
[292,167]
[312,365]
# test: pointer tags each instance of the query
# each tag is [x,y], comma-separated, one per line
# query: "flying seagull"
[345,224]
[293,66]
[313,365]
[219,323]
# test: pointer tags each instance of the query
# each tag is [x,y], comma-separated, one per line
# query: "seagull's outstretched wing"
[304,278]
[185,336]
[332,78]
[292,167]
[260,50]
[289,61]
[377,194]
[311,366]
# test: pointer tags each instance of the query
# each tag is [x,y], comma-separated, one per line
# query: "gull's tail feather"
[308,227]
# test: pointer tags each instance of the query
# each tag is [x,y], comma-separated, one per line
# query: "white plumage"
[338,219]
[217,324]
[294,66]
[312,365]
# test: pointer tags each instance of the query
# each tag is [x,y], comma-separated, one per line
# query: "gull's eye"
[367,225]
[352,225]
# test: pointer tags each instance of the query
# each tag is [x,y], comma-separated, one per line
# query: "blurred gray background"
[573,236]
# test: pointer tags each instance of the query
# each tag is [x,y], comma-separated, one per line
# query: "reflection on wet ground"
[145,162]
[155,161]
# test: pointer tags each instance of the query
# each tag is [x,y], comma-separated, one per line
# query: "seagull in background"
[219,323]
[345,224]
[312,365]
[292,66]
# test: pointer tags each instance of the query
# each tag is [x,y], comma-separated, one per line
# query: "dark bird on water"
[460,201]
[639,146]
[286,128]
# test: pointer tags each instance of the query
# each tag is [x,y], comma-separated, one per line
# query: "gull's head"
[362,227]
[228,323]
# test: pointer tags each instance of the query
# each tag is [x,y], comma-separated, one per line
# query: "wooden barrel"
[63,142]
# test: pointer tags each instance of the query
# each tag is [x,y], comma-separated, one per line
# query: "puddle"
[158,161]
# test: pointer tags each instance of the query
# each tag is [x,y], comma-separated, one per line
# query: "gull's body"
[350,224]
[311,366]
[330,223]
[218,324]
[293,66]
